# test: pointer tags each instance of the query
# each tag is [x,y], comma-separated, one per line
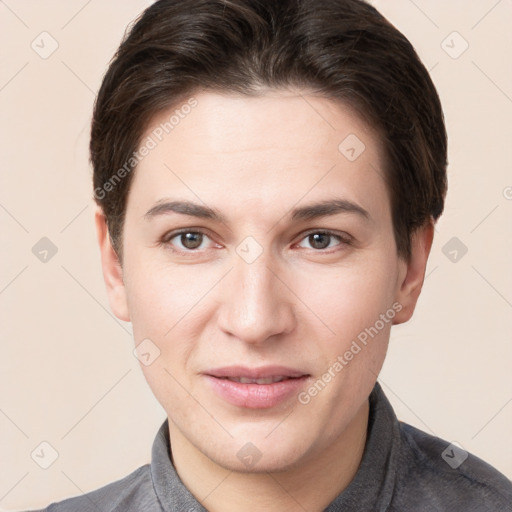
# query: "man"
[268,175]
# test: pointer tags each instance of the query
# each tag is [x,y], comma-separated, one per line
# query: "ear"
[413,274]
[112,270]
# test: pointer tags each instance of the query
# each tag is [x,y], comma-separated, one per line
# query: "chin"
[258,454]
[267,463]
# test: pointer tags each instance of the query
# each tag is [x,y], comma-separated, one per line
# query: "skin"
[255,159]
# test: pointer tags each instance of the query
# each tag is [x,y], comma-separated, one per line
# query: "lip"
[254,373]
[253,395]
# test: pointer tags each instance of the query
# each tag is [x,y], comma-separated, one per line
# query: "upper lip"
[255,373]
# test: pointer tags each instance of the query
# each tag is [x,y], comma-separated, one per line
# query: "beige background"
[67,372]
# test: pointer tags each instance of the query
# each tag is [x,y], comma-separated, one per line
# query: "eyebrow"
[308,212]
[329,207]
[185,208]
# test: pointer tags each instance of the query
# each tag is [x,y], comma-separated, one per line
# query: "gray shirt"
[402,469]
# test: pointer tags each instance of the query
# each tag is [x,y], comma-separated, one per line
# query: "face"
[260,262]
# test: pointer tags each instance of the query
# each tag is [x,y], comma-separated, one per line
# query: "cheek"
[163,298]
[165,307]
[171,306]
[350,299]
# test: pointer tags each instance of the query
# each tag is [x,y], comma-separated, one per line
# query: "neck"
[310,485]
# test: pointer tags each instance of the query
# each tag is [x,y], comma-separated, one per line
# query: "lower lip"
[256,396]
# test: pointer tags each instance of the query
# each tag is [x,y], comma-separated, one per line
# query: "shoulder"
[446,477]
[134,492]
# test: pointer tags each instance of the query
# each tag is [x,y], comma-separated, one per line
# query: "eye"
[187,241]
[323,240]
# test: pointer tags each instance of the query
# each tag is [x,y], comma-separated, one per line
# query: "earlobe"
[414,274]
[112,270]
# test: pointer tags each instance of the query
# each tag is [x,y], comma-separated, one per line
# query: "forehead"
[272,149]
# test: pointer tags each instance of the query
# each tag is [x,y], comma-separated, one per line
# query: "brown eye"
[322,240]
[191,240]
[187,240]
[319,240]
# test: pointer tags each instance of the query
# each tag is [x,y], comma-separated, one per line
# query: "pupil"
[191,240]
[319,240]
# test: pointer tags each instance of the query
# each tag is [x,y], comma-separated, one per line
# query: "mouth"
[263,380]
[256,388]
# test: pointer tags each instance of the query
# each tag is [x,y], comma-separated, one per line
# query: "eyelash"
[343,239]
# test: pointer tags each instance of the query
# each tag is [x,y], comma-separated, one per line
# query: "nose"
[257,305]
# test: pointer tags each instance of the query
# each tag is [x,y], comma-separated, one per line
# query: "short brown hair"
[342,49]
